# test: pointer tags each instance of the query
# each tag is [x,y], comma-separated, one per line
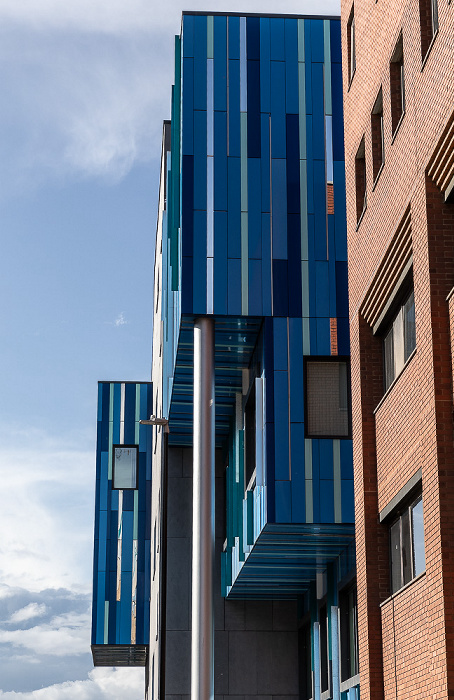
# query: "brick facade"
[406,639]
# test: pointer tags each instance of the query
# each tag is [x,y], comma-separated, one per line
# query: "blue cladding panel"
[220,262]
[278,109]
[234,290]
[253,109]
[296,371]
[293,164]
[318,129]
[279,210]
[280,288]
[308,72]
[265,67]
[253,38]
[340,225]
[265,162]
[234,37]
[321,289]
[348,501]
[188,107]
[234,108]
[200,160]
[346,458]
[220,63]
[188,35]
[280,344]
[343,336]
[187,198]
[277,28]
[342,289]
[326,459]
[200,62]
[320,210]
[255,287]
[220,161]
[254,210]
[266,264]
[317,42]
[291,66]
[338,121]
[326,501]
[234,207]
[294,265]
[281,446]
[335,35]
[283,502]
[323,336]
[125,611]
[298,473]
[200,266]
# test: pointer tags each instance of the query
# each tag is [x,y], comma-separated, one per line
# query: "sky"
[85,86]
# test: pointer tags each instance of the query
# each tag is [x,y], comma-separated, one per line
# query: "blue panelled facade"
[121,576]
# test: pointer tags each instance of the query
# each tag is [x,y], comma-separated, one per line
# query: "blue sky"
[85,86]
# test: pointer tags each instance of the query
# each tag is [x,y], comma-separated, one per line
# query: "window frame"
[397,85]
[360,181]
[403,517]
[326,674]
[308,359]
[351,45]
[378,137]
[395,320]
[125,488]
[305,674]
[429,26]
[348,680]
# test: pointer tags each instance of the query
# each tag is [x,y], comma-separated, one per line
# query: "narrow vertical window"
[407,544]
[324,672]
[360,180]
[397,85]
[378,138]
[399,340]
[305,665]
[351,44]
[428,16]
[348,633]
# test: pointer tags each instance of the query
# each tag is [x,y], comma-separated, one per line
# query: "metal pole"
[202,642]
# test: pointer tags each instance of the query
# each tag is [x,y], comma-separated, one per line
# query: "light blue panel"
[125,610]
[277,33]
[266,264]
[188,35]
[326,459]
[340,225]
[317,40]
[291,66]
[326,501]
[220,262]
[323,336]
[265,68]
[296,371]
[188,107]
[265,161]
[254,197]
[234,108]
[199,262]
[321,289]
[280,344]
[279,208]
[348,501]
[126,551]
[298,480]
[220,63]
[321,252]
[346,457]
[220,160]
[278,145]
[318,124]
[283,502]
[281,426]
[103,485]
[200,62]
[255,288]
[200,160]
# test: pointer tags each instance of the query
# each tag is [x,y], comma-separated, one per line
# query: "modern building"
[398,60]
[251,532]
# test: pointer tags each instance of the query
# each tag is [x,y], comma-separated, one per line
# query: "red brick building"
[398,72]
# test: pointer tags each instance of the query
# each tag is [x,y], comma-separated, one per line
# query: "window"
[360,179]
[324,666]
[351,44]
[428,16]
[397,85]
[399,340]
[249,436]
[305,665]
[407,544]
[125,465]
[348,633]
[327,398]
[378,138]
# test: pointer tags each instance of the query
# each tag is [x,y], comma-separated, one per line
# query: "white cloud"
[30,611]
[64,636]
[102,684]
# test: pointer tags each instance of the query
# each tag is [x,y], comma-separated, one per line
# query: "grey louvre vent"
[119,654]
[327,399]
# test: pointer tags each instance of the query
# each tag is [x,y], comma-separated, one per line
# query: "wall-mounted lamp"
[157,421]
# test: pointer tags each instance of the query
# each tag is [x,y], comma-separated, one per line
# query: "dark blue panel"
[296,372]
[220,63]
[335,34]
[187,199]
[298,482]
[128,499]
[200,160]
[112,632]
[266,264]
[188,106]
[317,40]
[112,548]
[186,286]
[283,502]
[125,611]
[105,403]
[279,208]
[291,67]
[308,78]
[265,162]
[343,336]
[102,528]
[254,210]
[280,288]
[220,262]
[320,210]
[318,116]
[271,507]
[316,460]
[188,35]
[346,459]
[348,501]
[278,109]
[340,226]
[326,501]
[234,37]
[341,288]
[281,425]
[234,207]
[326,459]
[234,109]
[321,289]
[200,264]
[309,170]
[130,412]
[294,265]
[311,236]
[253,109]
[323,336]
[332,267]
[126,548]
[268,353]
[280,344]
[265,68]
[253,38]
[234,288]
[293,163]
[220,161]
[103,435]
[255,288]
[200,62]
[148,520]
[277,39]
[338,121]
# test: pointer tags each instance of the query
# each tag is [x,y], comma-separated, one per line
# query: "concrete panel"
[187,461]
[178,583]
[178,662]
[219,623]
[175,461]
[285,615]
[219,512]
[277,663]
[234,615]
[243,662]
[179,513]
[258,615]
[221,662]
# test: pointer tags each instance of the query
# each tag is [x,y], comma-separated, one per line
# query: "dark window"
[360,180]
[348,633]
[125,466]
[351,44]
[399,340]
[407,544]
[327,398]
[397,84]
[428,16]
[378,137]
[324,667]
[305,662]
[249,435]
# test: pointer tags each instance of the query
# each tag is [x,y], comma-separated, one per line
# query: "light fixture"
[156,421]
